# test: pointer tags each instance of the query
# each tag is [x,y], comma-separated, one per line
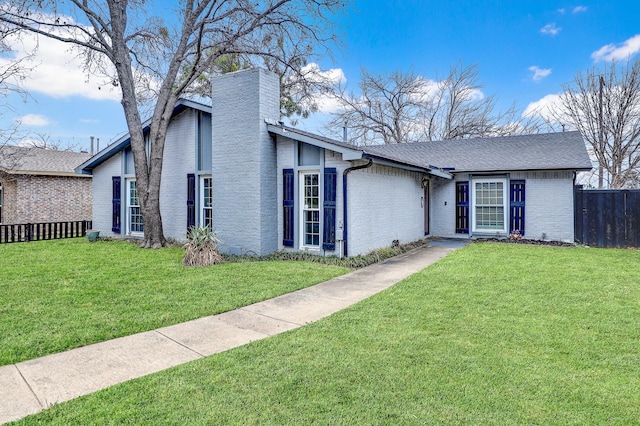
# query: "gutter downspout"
[344,199]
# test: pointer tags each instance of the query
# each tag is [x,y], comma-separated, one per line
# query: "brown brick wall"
[30,199]
[8,195]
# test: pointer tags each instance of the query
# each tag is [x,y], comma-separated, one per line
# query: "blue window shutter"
[516,206]
[191,201]
[115,203]
[329,227]
[462,207]
[288,212]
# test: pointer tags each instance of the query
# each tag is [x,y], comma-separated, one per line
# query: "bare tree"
[156,59]
[604,105]
[386,110]
[45,141]
[402,106]
[12,74]
[302,82]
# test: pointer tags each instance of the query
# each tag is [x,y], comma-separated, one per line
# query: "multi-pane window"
[133,208]
[206,201]
[311,209]
[489,205]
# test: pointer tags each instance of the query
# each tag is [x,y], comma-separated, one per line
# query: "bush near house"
[201,248]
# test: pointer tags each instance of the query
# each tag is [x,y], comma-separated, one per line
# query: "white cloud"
[35,120]
[562,11]
[550,29]
[613,52]
[580,9]
[427,88]
[543,107]
[57,70]
[331,76]
[326,102]
[539,73]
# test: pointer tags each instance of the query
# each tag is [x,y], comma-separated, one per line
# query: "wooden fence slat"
[25,232]
[607,218]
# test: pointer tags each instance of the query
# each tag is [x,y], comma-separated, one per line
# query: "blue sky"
[525,51]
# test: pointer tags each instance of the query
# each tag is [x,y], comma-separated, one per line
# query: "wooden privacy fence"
[607,218]
[25,232]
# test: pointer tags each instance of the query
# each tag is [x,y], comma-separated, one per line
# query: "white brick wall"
[102,194]
[244,161]
[379,211]
[548,205]
[179,160]
[443,207]
[285,159]
[334,159]
[385,204]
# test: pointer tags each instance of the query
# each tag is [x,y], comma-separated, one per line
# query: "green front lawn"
[57,295]
[491,334]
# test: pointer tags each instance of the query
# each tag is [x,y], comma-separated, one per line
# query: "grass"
[57,295]
[491,334]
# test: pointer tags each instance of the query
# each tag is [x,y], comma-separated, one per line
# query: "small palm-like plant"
[202,247]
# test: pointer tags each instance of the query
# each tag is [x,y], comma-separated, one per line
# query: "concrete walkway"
[32,386]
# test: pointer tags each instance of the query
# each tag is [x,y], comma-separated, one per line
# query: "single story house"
[265,187]
[40,185]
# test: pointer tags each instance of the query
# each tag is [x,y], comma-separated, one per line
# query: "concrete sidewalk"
[32,386]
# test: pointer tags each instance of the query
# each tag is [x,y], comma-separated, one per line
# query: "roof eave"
[86,168]
[348,154]
[406,166]
[46,173]
[38,173]
[568,169]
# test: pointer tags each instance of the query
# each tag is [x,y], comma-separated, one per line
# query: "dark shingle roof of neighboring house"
[551,151]
[38,161]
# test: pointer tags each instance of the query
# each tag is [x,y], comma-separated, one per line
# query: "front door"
[425,204]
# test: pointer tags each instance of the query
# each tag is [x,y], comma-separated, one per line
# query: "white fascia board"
[397,165]
[125,140]
[347,154]
[440,173]
[404,166]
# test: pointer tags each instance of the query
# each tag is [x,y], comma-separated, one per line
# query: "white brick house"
[265,187]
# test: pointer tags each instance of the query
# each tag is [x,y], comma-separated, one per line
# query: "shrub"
[515,235]
[355,262]
[202,247]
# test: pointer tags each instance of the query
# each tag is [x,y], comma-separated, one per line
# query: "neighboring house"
[39,185]
[264,186]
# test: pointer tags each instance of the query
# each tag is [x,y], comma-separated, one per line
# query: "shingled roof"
[551,151]
[38,161]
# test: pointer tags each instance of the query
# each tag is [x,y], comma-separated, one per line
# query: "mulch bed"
[528,242]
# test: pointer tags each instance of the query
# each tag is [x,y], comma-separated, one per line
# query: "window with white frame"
[310,206]
[489,205]
[134,213]
[206,201]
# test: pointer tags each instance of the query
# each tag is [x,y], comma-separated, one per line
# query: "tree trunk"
[148,172]
[153,231]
